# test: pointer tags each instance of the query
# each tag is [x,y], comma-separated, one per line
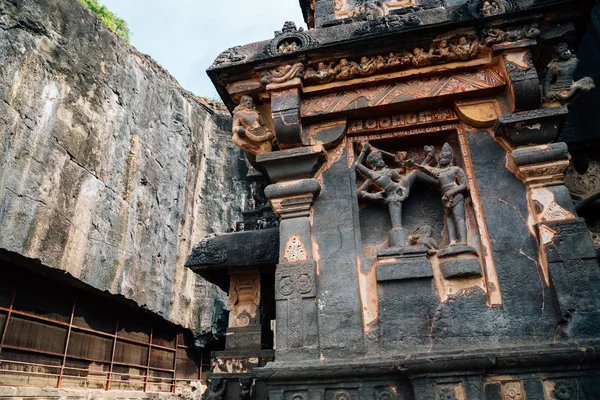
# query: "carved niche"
[244,299]
[290,39]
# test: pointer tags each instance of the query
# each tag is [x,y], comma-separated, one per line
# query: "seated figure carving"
[559,86]
[249,130]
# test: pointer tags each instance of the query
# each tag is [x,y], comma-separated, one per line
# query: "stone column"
[291,196]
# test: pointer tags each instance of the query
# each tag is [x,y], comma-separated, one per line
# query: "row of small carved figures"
[462,49]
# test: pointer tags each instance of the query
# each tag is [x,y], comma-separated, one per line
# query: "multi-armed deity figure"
[249,130]
[387,185]
[559,86]
[452,184]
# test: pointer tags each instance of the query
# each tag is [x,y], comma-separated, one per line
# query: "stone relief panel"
[294,250]
[425,190]
[244,299]
[379,95]
[341,394]
[295,395]
[513,391]
[561,389]
[450,392]
[368,8]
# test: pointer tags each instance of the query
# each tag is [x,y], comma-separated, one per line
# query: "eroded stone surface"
[111,171]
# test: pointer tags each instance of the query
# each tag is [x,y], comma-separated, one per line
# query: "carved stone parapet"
[292,164]
[534,127]
[293,199]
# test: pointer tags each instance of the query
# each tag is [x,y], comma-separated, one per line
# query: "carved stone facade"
[429,246]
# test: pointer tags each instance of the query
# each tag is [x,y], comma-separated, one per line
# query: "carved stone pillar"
[295,277]
[244,328]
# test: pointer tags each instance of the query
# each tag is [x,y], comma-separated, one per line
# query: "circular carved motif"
[243,320]
[297,396]
[287,286]
[386,394]
[563,390]
[305,283]
[342,396]
[512,391]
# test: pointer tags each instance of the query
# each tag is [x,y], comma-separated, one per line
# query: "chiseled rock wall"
[109,170]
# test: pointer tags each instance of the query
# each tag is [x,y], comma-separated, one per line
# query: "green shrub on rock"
[114,23]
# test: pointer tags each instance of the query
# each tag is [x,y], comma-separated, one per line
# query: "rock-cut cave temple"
[399,202]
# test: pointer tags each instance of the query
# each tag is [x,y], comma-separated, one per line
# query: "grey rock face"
[110,171]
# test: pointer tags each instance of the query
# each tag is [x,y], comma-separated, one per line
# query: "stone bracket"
[292,164]
[531,127]
[524,88]
[285,109]
[541,165]
[293,199]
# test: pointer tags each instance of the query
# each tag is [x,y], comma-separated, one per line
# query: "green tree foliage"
[114,23]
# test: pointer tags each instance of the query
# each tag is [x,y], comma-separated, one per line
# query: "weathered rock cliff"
[110,170]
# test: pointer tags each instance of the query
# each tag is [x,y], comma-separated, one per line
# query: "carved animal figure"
[422,235]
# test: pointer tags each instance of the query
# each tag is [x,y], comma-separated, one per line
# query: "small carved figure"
[419,57]
[245,389]
[490,7]
[559,86]
[288,47]
[495,35]
[465,50]
[249,130]
[282,73]
[443,50]
[452,182]
[372,9]
[346,69]
[381,63]
[367,66]
[215,391]
[422,236]
[323,74]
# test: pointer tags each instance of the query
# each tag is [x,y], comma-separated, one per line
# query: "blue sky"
[185,36]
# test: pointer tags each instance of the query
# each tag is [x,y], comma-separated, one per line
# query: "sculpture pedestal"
[398,237]
[459,261]
[402,263]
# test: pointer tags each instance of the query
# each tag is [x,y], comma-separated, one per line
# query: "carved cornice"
[458,48]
